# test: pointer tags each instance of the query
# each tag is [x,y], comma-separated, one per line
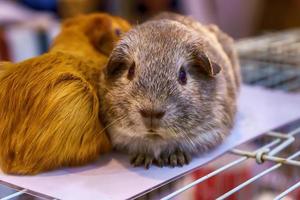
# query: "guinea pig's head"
[159,84]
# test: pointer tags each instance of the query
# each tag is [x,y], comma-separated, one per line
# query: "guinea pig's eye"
[131,72]
[118,32]
[182,76]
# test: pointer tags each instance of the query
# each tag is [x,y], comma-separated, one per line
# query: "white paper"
[112,177]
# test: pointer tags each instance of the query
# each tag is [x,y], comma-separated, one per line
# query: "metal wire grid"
[271,75]
[265,153]
[272,60]
[280,47]
[14,192]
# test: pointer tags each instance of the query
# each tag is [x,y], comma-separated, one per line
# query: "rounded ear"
[118,62]
[102,30]
[105,31]
[115,67]
[209,67]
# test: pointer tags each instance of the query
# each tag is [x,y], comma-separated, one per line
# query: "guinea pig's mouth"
[151,131]
[153,135]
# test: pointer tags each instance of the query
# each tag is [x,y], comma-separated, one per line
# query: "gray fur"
[199,115]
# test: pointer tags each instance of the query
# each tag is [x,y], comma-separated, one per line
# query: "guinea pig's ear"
[115,68]
[109,31]
[100,33]
[208,66]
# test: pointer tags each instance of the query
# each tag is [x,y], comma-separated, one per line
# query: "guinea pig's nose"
[148,113]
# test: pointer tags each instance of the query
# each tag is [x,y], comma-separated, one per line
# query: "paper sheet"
[112,177]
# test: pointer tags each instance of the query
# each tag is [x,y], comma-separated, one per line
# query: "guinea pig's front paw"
[142,159]
[176,158]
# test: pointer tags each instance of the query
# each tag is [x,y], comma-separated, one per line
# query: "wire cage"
[272,60]
[267,167]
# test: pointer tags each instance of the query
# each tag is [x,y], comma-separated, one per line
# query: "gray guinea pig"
[169,90]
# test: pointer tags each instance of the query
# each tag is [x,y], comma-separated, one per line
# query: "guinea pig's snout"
[149,113]
[152,117]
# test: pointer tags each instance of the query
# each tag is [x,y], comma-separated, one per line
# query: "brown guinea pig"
[169,90]
[49,106]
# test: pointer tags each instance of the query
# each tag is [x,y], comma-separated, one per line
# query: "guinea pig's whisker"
[188,138]
[112,123]
[172,131]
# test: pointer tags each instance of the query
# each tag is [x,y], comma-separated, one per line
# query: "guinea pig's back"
[48,115]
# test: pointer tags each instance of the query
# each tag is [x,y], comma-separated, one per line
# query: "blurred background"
[266,31]
[267,34]
[37,21]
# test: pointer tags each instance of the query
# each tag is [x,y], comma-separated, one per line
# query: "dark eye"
[131,72]
[182,76]
[118,32]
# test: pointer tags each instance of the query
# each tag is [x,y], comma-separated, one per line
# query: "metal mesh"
[267,152]
[272,60]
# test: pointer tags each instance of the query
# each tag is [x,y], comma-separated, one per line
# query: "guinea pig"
[169,90]
[49,105]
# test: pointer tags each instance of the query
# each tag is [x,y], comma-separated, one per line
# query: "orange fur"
[49,104]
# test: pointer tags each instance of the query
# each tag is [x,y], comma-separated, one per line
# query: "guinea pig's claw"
[148,161]
[187,158]
[179,158]
[159,162]
[165,159]
[132,159]
[173,160]
[137,160]
[142,159]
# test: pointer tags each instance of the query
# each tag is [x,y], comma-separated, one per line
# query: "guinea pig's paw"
[142,159]
[177,158]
